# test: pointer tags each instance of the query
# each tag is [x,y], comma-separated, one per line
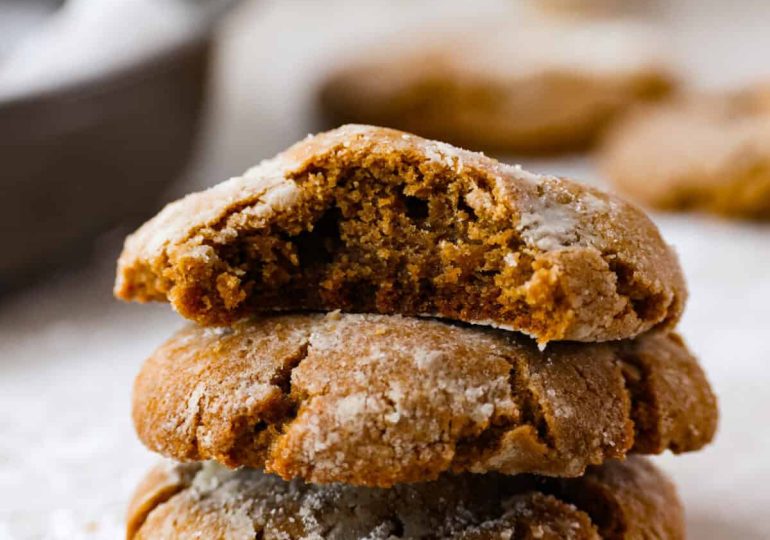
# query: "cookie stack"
[396,338]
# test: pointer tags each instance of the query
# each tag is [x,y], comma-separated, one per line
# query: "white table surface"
[68,352]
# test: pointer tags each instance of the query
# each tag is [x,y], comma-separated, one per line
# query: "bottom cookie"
[629,499]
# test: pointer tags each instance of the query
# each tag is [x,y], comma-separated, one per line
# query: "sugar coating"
[627,500]
[367,219]
[381,400]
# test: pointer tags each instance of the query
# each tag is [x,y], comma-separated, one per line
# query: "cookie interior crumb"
[407,241]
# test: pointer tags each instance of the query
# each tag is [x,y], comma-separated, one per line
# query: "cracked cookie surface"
[379,400]
[373,220]
[614,501]
[705,152]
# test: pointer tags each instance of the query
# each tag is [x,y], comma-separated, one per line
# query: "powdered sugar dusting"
[254,503]
[518,172]
[379,389]
[554,218]
[550,228]
[350,407]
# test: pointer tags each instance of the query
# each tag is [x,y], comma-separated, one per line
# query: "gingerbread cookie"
[367,219]
[614,501]
[709,153]
[596,8]
[546,86]
[380,400]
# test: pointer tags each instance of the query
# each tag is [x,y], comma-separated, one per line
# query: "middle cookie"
[378,400]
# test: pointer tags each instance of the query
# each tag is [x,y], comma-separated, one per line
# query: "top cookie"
[368,219]
[539,85]
[703,152]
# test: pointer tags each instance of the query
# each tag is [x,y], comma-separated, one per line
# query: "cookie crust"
[379,400]
[615,501]
[367,219]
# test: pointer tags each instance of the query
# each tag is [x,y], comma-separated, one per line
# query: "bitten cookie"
[368,219]
[709,153]
[379,400]
[615,501]
[537,87]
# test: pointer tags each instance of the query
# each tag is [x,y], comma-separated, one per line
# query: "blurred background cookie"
[708,152]
[598,7]
[530,84]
